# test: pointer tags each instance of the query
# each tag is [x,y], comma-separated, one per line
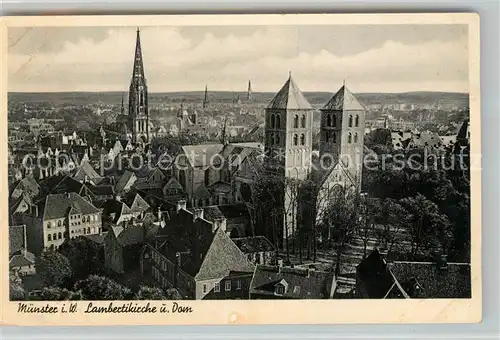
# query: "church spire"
[205,99]
[138,71]
[249,93]
[122,110]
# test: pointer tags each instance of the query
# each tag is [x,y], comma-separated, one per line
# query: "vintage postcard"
[241,169]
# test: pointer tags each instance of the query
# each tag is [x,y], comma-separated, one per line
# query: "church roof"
[343,100]
[289,98]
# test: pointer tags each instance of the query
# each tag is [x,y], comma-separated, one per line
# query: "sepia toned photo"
[174,162]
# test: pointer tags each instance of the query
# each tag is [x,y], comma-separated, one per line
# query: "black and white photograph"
[239,162]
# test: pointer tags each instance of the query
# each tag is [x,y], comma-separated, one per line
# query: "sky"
[370,58]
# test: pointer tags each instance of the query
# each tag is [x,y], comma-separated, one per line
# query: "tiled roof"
[58,205]
[139,204]
[124,180]
[201,155]
[22,258]
[16,238]
[212,213]
[220,188]
[102,189]
[298,283]
[452,282]
[411,279]
[289,98]
[85,169]
[222,257]
[254,244]
[173,183]
[343,100]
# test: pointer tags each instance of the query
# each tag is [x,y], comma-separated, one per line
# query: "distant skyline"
[371,58]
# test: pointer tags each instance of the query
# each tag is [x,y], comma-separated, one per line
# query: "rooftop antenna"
[289,74]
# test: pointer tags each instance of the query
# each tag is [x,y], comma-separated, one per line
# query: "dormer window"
[279,289]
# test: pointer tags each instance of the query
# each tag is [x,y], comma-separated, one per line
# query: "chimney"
[442,262]
[280,263]
[181,205]
[159,215]
[198,213]
[219,223]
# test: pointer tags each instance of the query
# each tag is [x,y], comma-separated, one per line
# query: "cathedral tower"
[249,92]
[138,98]
[342,132]
[205,98]
[288,146]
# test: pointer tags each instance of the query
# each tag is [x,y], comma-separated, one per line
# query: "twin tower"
[289,145]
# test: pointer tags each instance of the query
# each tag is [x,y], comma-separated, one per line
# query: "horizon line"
[229,91]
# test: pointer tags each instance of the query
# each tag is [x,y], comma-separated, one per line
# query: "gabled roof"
[85,169]
[289,98]
[411,279]
[125,179]
[299,283]
[22,258]
[202,192]
[222,257]
[139,204]
[343,100]
[58,205]
[129,236]
[173,183]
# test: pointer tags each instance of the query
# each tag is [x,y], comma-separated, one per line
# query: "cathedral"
[136,123]
[288,147]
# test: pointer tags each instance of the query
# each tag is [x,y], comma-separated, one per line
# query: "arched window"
[54,236]
[357,121]
[273,121]
[278,121]
[295,139]
[303,121]
[277,141]
[182,178]
[350,121]
[88,230]
[207,177]
[350,138]
[334,138]
[302,139]
[59,235]
[329,120]
[49,225]
[296,121]
[355,138]
[327,136]
[334,120]
[88,219]
[58,223]
[273,139]
[49,237]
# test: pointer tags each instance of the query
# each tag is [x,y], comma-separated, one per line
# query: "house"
[125,183]
[21,261]
[28,185]
[277,282]
[377,277]
[198,258]
[58,217]
[85,173]
[258,249]
[237,217]
[123,246]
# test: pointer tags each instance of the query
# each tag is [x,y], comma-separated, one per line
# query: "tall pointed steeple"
[122,110]
[249,92]
[205,99]
[138,72]
[138,98]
